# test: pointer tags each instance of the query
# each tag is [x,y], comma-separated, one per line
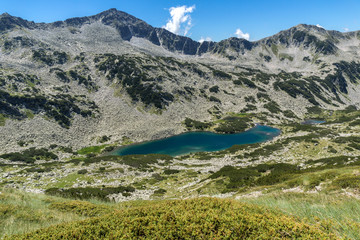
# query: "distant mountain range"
[128,26]
[72,82]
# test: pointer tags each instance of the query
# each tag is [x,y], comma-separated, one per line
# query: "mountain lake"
[192,142]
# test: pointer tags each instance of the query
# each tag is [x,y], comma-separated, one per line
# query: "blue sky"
[216,20]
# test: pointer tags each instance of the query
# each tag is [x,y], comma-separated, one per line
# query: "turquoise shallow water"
[199,142]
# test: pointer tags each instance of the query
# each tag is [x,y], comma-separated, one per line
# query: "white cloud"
[240,34]
[180,16]
[346,29]
[202,39]
[319,26]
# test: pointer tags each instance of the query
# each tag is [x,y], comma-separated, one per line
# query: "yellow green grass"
[92,149]
[25,212]
[272,216]
[337,213]
[204,218]
[2,120]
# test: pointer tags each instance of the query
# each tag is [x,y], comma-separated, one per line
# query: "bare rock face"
[72,82]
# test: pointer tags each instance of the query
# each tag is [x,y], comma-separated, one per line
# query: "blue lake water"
[312,122]
[199,142]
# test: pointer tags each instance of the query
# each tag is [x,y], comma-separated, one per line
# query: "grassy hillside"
[201,218]
[336,213]
[303,184]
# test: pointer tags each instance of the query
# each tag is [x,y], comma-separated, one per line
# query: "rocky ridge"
[71,82]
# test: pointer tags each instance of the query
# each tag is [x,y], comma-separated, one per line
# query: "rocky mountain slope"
[111,76]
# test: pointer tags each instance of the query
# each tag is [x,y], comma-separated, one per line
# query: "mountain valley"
[73,91]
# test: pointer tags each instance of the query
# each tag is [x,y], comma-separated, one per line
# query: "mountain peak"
[8,22]
[5,14]
[111,11]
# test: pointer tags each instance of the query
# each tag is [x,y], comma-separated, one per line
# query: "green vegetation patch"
[60,107]
[2,120]
[344,182]
[283,56]
[214,99]
[214,89]
[75,76]
[289,114]
[274,49]
[50,59]
[248,108]
[30,155]
[233,124]
[92,149]
[143,161]
[90,192]
[273,107]
[261,175]
[237,177]
[263,96]
[264,151]
[244,81]
[197,125]
[204,218]
[138,84]
[136,160]
[171,171]
[221,74]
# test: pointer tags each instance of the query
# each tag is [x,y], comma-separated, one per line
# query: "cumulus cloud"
[240,34]
[346,29]
[319,26]
[202,39]
[180,22]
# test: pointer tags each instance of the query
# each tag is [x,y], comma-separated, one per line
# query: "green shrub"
[289,114]
[108,149]
[214,89]
[237,177]
[221,74]
[347,182]
[280,172]
[214,99]
[193,124]
[250,99]
[233,125]
[160,191]
[248,108]
[60,107]
[143,161]
[314,110]
[204,218]
[30,155]
[89,192]
[355,123]
[82,171]
[171,171]
[38,169]
[273,107]
[245,81]
[139,85]
[21,143]
[261,96]
[104,139]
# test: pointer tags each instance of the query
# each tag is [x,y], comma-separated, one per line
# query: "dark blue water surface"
[199,142]
[312,122]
